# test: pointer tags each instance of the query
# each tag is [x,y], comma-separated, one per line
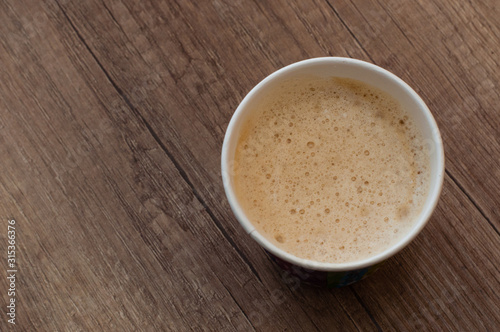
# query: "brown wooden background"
[112,116]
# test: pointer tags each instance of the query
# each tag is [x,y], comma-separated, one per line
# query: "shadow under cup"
[337,274]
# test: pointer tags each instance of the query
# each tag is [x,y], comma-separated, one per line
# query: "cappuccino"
[330,169]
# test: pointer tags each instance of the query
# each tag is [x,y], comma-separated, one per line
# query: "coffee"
[332,170]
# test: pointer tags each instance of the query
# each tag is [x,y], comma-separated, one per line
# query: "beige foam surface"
[331,170]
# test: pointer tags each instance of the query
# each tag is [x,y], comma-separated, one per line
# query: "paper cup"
[337,274]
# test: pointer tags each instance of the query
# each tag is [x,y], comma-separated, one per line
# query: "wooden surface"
[112,116]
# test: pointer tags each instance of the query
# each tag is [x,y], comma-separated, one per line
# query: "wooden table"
[111,126]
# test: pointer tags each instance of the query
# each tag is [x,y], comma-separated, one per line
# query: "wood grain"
[112,116]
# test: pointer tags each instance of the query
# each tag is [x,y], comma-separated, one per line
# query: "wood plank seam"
[235,301]
[349,30]
[366,308]
[472,201]
[304,311]
[395,23]
[349,316]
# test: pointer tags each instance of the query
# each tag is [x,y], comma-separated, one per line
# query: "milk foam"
[331,170]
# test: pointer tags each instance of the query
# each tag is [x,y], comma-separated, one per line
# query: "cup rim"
[433,192]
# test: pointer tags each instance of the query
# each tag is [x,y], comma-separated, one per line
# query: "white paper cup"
[337,274]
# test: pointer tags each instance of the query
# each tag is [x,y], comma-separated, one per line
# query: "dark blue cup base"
[324,278]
